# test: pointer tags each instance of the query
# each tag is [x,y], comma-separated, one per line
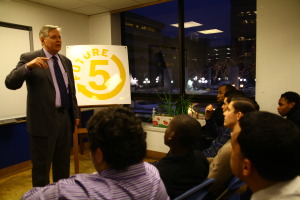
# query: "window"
[216,46]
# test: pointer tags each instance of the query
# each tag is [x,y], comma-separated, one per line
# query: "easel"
[77,131]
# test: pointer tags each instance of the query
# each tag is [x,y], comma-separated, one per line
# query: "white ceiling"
[92,7]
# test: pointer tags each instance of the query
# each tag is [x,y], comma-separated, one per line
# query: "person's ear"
[239,115]
[98,160]
[292,104]
[98,155]
[171,136]
[246,167]
[42,39]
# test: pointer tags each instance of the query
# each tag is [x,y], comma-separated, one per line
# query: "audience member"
[289,106]
[219,168]
[222,131]
[215,115]
[265,155]
[182,168]
[118,147]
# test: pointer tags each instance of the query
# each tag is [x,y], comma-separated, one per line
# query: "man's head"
[117,139]
[229,95]
[222,90]
[265,146]
[236,109]
[182,131]
[50,38]
[287,101]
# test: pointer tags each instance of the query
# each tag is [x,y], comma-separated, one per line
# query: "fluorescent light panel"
[188,24]
[210,31]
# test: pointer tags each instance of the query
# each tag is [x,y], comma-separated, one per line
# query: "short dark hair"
[120,136]
[228,87]
[187,130]
[271,143]
[291,97]
[235,93]
[243,106]
[245,98]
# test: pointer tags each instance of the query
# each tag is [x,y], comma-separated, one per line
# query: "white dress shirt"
[286,190]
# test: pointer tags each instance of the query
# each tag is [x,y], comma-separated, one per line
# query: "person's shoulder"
[198,153]
[63,57]
[35,53]
[224,152]
[201,158]
[151,169]
[148,166]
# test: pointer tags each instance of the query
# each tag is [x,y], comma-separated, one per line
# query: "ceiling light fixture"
[188,24]
[210,31]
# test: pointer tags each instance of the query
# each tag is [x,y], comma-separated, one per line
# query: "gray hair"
[46,29]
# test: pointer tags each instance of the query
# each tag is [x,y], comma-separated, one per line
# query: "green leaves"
[180,106]
[183,104]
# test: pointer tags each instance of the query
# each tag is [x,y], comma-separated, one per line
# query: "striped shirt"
[139,181]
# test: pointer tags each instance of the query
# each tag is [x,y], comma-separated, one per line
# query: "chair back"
[230,192]
[198,192]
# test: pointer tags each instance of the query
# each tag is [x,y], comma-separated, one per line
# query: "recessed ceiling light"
[188,24]
[210,31]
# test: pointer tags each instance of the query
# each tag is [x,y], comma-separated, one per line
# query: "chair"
[230,192]
[198,192]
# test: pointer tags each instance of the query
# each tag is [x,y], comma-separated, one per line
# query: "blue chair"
[230,192]
[198,192]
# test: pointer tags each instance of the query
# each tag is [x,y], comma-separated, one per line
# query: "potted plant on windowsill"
[169,108]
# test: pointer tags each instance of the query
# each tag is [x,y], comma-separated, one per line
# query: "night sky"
[213,14]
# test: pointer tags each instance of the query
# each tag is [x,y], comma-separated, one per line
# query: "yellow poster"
[101,74]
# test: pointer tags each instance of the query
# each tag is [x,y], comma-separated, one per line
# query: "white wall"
[75,27]
[278,51]
[105,29]
[100,29]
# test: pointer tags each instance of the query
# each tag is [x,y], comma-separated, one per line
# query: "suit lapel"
[47,71]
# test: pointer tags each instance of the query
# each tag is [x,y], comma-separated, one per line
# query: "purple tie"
[65,101]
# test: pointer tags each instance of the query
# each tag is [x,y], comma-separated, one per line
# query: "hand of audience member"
[209,111]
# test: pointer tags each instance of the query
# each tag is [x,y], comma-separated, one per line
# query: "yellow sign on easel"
[101,74]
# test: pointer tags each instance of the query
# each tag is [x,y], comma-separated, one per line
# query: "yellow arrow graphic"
[114,92]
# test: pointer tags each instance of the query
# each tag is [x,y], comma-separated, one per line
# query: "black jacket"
[294,115]
[181,173]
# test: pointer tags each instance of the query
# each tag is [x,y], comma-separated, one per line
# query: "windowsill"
[150,127]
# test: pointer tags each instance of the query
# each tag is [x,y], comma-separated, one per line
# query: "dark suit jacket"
[41,93]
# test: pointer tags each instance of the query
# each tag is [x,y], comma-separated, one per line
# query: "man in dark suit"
[52,110]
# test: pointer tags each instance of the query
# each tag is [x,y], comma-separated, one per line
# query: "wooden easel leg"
[75,151]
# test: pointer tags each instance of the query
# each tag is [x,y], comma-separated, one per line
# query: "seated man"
[215,115]
[222,131]
[289,106]
[118,147]
[219,168]
[265,155]
[182,168]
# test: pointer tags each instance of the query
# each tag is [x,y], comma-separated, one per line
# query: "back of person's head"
[186,130]
[234,93]
[291,97]
[271,143]
[228,87]
[243,105]
[120,136]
